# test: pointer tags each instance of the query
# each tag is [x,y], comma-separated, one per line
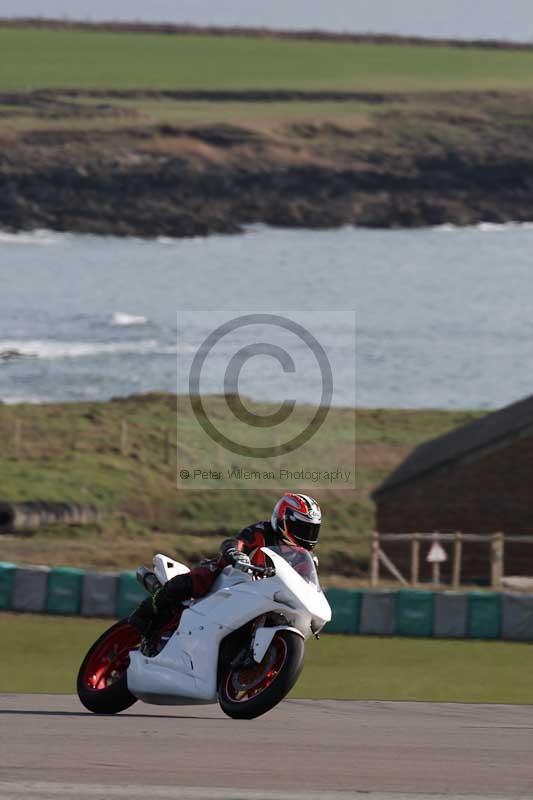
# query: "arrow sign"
[437,554]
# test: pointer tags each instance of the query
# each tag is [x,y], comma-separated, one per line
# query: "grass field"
[42,654]
[71,452]
[106,60]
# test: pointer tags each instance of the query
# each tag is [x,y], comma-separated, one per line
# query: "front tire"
[102,684]
[248,693]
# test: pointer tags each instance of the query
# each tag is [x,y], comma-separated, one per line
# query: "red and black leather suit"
[248,541]
[199,580]
[156,610]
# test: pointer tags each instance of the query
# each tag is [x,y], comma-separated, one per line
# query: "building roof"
[497,427]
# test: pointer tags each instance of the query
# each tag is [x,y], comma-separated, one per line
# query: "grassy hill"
[110,60]
[75,452]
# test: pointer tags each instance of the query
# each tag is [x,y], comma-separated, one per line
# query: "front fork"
[245,656]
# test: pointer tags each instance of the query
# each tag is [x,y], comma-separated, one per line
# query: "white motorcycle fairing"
[186,670]
[166,568]
[263,638]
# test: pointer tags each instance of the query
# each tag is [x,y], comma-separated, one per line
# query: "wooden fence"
[23,440]
[495,543]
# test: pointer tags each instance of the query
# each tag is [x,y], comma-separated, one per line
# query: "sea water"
[443,316]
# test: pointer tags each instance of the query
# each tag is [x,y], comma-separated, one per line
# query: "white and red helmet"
[297,518]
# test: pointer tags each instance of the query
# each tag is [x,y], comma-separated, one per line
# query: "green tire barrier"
[484,615]
[346,608]
[64,590]
[418,613]
[414,613]
[129,594]
[7,580]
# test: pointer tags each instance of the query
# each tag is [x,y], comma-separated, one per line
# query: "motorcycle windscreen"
[300,560]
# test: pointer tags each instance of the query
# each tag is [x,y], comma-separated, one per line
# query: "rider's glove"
[238,559]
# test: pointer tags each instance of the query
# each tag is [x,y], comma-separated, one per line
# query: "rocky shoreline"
[458,159]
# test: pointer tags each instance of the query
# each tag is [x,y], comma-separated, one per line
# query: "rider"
[295,521]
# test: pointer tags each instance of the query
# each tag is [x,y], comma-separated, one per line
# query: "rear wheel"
[246,693]
[102,685]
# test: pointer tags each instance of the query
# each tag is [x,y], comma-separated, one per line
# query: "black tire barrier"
[30,516]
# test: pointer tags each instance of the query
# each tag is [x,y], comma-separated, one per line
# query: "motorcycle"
[241,645]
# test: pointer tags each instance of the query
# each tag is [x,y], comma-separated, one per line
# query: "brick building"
[476,479]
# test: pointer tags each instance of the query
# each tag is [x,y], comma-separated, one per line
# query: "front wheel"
[102,685]
[246,693]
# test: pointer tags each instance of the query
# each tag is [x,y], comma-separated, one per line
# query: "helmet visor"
[305,533]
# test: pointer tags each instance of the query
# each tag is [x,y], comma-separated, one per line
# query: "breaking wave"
[484,227]
[38,237]
[120,318]
[15,399]
[489,227]
[51,349]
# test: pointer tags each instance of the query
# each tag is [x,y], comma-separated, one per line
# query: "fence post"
[496,560]
[17,437]
[124,438]
[415,558]
[374,562]
[166,446]
[435,567]
[172,443]
[457,559]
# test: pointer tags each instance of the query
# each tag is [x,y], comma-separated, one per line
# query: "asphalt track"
[303,750]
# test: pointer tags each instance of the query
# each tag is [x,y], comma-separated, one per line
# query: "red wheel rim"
[243,684]
[110,659]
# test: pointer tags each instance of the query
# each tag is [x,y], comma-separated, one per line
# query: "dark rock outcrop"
[456,159]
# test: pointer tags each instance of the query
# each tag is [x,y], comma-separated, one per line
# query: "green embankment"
[72,452]
[106,60]
[42,654]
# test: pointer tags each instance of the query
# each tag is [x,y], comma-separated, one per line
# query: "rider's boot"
[156,610]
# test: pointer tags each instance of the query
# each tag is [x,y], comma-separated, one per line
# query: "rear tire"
[249,693]
[102,683]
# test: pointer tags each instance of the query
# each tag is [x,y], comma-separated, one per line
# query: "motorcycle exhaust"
[148,579]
